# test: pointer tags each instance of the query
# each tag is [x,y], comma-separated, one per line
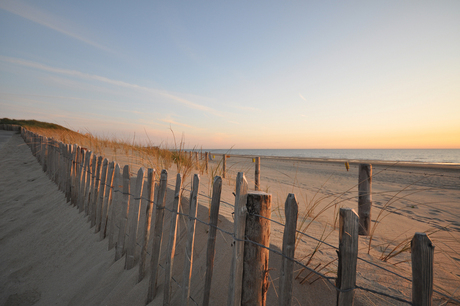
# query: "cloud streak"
[92,77]
[48,20]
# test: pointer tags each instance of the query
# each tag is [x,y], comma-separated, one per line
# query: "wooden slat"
[172,240]
[148,220]
[188,261]
[95,193]
[364,198]
[116,204]
[102,188]
[287,265]
[257,174]
[89,166]
[255,274]
[123,221]
[133,220]
[211,247]
[84,169]
[157,234]
[422,254]
[90,192]
[224,165]
[348,255]
[236,270]
[107,200]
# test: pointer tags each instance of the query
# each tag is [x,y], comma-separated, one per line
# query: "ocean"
[431,156]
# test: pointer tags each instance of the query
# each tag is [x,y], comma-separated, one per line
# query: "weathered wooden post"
[364,198]
[107,200]
[206,157]
[422,254]
[84,170]
[210,251]
[224,165]
[133,220]
[188,261]
[76,175]
[257,174]
[95,193]
[71,174]
[90,187]
[116,203]
[157,234]
[287,265]
[102,188]
[348,256]
[172,240]
[236,270]
[148,220]
[255,266]
[120,249]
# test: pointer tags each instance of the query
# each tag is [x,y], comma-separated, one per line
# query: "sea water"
[444,156]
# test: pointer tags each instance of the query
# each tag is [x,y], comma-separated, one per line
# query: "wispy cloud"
[171,121]
[302,97]
[48,20]
[92,77]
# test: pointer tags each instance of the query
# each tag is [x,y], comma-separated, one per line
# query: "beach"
[51,256]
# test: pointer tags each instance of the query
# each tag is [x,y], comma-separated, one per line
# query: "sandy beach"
[51,256]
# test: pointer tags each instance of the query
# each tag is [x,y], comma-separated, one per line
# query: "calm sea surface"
[450,156]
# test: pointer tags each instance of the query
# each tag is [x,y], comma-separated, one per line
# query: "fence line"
[75,172]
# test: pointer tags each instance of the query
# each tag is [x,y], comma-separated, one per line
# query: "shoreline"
[401,164]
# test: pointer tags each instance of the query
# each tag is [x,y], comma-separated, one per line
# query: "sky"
[237,74]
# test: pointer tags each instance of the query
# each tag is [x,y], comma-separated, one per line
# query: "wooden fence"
[95,186]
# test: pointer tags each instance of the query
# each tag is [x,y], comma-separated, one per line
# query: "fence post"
[89,165]
[120,250]
[255,266]
[364,198]
[107,200]
[188,264]
[172,241]
[116,199]
[90,187]
[100,201]
[236,270]
[257,174]
[224,165]
[148,220]
[84,169]
[62,161]
[211,247]
[348,256]
[75,175]
[50,163]
[95,192]
[64,164]
[287,265]
[45,154]
[422,253]
[133,220]
[206,157]
[71,174]
[157,234]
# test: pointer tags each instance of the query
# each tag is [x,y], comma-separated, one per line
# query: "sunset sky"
[241,74]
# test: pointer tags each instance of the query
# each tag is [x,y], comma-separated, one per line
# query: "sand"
[50,255]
